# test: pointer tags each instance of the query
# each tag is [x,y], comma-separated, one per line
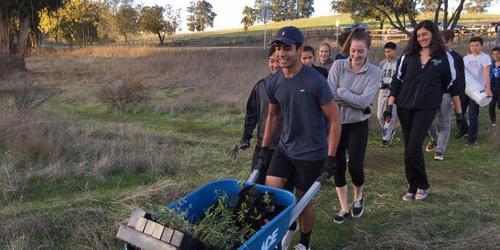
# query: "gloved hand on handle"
[261,156]
[329,166]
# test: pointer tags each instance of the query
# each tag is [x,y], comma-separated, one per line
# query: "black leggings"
[415,124]
[354,139]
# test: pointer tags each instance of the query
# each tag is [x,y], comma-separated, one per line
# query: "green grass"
[201,121]
[463,200]
[69,211]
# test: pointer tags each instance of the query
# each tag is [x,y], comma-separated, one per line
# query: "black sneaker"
[357,208]
[341,217]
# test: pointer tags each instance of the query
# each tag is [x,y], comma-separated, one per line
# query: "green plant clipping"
[218,229]
[225,224]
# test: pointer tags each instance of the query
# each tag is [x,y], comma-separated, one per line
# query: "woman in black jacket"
[424,73]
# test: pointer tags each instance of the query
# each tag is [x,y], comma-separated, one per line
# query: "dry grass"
[110,162]
[195,72]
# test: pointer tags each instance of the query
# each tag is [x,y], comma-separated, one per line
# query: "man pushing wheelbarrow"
[303,98]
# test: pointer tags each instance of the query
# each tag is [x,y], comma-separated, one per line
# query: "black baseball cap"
[289,35]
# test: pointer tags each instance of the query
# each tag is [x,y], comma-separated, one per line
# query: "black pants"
[354,139]
[494,104]
[261,179]
[473,114]
[415,124]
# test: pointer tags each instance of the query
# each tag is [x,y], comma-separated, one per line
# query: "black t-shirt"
[300,98]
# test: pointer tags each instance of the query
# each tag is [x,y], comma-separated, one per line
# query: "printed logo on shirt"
[388,73]
[496,72]
[436,62]
[473,64]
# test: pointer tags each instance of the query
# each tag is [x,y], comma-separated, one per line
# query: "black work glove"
[329,166]
[261,156]
[244,143]
[388,113]
[461,123]
[367,111]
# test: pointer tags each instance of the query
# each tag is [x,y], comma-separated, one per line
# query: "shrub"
[123,95]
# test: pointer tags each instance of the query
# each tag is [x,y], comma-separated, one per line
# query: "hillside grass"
[107,162]
[254,34]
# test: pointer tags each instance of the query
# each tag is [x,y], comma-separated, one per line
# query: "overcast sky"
[229,12]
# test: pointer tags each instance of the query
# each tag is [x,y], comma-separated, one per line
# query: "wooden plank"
[141,224]
[157,230]
[142,240]
[137,213]
[150,225]
[177,238]
[167,234]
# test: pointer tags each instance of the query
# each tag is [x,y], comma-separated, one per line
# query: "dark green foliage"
[200,16]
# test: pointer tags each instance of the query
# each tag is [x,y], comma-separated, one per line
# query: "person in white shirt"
[478,64]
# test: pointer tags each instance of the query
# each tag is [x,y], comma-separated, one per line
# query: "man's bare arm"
[330,110]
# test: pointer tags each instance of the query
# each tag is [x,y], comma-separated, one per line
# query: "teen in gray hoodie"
[354,83]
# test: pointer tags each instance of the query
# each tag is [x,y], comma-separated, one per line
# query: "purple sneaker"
[409,197]
[421,194]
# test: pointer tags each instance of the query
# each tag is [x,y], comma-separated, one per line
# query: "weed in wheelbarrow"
[228,223]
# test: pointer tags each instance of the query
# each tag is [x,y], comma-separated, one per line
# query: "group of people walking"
[312,119]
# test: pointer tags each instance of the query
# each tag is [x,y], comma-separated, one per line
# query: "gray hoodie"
[354,92]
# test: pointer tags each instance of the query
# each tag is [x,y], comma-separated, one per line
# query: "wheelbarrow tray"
[197,202]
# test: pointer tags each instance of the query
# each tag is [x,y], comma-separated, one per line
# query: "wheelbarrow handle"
[299,207]
[255,173]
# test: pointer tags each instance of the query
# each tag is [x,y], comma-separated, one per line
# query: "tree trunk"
[8,63]
[22,42]
[445,15]
[437,10]
[161,38]
[4,34]
[456,14]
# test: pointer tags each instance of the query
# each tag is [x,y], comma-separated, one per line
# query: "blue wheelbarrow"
[147,234]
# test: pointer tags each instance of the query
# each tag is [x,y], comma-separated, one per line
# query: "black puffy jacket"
[420,88]
[256,115]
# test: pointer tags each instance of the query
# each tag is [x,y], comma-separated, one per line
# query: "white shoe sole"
[287,239]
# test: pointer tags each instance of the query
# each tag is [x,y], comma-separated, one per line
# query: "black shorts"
[301,173]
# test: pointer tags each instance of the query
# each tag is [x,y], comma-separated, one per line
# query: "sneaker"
[493,124]
[439,155]
[409,197]
[470,144]
[384,144]
[285,242]
[357,208]
[341,217]
[421,194]
[431,146]
[301,247]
